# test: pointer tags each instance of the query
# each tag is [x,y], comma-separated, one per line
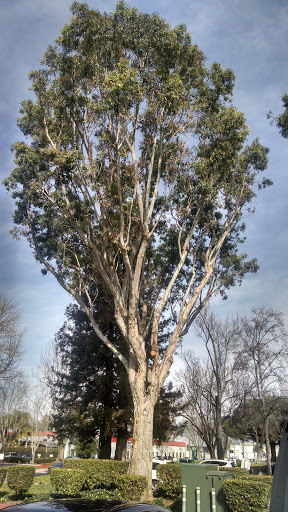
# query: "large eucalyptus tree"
[133,179]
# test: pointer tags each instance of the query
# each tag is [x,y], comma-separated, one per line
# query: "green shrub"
[247,494]
[258,469]
[236,472]
[169,480]
[20,478]
[67,481]
[47,461]
[102,494]
[3,472]
[99,474]
[131,487]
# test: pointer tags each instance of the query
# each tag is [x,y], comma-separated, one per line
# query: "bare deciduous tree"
[12,399]
[264,359]
[11,337]
[212,384]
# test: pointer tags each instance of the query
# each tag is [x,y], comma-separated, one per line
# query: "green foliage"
[98,473]
[80,351]
[103,494]
[20,478]
[166,410]
[116,85]
[251,494]
[99,479]
[169,480]
[258,469]
[22,460]
[236,472]
[3,472]
[67,481]
[131,487]
[282,119]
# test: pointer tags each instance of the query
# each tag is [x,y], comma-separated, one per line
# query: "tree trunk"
[141,458]
[104,445]
[211,449]
[220,449]
[267,444]
[121,445]
[61,449]
[273,451]
[258,449]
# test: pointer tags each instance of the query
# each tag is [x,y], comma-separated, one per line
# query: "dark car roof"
[79,505]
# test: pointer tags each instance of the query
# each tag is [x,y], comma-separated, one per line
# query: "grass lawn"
[40,488]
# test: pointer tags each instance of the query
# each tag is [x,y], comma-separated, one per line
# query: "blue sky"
[249,36]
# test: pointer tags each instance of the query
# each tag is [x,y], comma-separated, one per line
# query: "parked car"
[79,505]
[56,465]
[219,462]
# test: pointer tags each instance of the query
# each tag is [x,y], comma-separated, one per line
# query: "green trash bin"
[199,480]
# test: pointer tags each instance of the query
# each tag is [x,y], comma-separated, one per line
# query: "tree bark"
[219,431]
[211,450]
[141,458]
[267,444]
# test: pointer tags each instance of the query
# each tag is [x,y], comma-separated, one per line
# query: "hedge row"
[100,474]
[3,472]
[78,475]
[15,460]
[169,480]
[248,494]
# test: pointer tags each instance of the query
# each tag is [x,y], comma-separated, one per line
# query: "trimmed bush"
[248,494]
[46,462]
[169,480]
[3,472]
[100,474]
[258,470]
[237,472]
[131,487]
[20,478]
[67,481]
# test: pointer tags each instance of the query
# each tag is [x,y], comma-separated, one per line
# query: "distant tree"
[246,422]
[11,337]
[134,179]
[277,422]
[263,358]
[91,391]
[196,382]
[167,410]
[86,447]
[212,386]
[39,408]
[12,402]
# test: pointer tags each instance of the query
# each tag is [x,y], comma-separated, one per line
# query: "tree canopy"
[133,179]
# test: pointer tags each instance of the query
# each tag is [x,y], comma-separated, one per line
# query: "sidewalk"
[8,504]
